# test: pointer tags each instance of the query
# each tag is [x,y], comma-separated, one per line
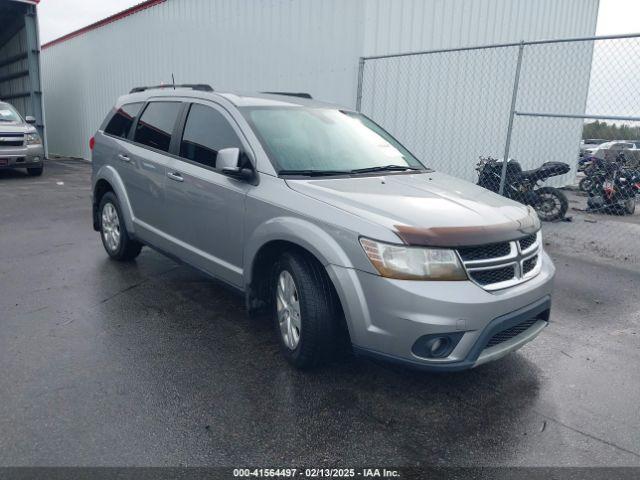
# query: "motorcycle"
[615,190]
[594,170]
[524,185]
[597,170]
[586,161]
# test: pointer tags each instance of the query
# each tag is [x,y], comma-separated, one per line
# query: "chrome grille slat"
[504,270]
[11,139]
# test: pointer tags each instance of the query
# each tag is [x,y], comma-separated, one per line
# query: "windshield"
[308,140]
[9,114]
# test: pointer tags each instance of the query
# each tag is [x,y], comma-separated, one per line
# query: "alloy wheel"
[288,310]
[110,227]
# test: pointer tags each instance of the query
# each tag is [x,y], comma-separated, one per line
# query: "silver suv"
[323,220]
[20,143]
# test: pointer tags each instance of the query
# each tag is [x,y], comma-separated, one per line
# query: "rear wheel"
[305,310]
[35,171]
[115,238]
[552,204]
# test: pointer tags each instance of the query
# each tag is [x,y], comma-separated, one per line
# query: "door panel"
[146,184]
[147,159]
[205,208]
[205,211]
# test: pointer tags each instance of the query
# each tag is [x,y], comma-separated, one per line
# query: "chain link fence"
[561,111]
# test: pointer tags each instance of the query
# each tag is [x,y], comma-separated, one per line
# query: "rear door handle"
[175,176]
[124,158]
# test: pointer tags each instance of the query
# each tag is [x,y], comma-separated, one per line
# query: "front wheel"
[305,310]
[552,204]
[35,171]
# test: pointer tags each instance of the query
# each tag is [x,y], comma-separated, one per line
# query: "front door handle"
[124,158]
[175,176]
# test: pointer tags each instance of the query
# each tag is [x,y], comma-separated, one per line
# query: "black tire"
[320,313]
[127,249]
[35,171]
[560,204]
[586,184]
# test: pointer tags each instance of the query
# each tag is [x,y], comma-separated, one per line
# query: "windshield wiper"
[385,168]
[314,173]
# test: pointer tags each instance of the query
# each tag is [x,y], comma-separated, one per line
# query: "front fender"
[307,235]
[109,174]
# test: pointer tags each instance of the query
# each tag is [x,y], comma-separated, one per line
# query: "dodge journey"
[324,221]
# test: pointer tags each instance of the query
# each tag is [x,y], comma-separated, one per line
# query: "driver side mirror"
[229,162]
[29,119]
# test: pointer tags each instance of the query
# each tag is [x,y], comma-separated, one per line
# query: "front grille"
[497,275]
[526,242]
[529,264]
[509,333]
[500,265]
[484,252]
[11,139]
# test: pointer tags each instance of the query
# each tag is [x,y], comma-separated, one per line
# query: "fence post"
[514,98]
[360,80]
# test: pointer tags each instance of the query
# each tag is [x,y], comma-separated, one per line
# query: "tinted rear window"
[122,120]
[156,125]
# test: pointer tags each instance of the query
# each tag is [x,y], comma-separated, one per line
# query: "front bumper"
[385,316]
[30,156]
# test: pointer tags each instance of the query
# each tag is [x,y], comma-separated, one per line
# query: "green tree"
[610,131]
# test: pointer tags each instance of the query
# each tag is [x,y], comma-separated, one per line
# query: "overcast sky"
[59,17]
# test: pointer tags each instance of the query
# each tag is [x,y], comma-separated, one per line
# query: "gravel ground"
[596,236]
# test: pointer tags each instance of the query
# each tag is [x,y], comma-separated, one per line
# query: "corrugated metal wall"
[298,45]
[409,25]
[14,47]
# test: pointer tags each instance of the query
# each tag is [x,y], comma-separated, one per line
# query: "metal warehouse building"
[275,45]
[19,58]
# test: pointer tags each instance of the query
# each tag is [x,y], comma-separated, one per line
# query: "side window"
[156,124]
[205,133]
[121,122]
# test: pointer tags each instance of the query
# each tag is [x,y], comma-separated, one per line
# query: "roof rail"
[291,94]
[203,87]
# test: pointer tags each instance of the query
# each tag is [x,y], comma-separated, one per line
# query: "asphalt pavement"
[151,363]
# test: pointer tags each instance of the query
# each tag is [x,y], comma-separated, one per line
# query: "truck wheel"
[115,238]
[305,311]
[35,171]
[552,204]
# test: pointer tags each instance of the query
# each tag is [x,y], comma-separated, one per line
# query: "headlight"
[32,139]
[413,263]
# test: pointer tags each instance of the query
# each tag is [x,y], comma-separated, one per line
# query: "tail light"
[92,143]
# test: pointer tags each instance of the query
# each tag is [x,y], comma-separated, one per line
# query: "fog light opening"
[436,346]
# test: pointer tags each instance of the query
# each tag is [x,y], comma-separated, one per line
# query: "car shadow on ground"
[14,174]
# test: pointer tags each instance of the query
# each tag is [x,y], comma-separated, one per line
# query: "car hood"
[427,208]
[14,127]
